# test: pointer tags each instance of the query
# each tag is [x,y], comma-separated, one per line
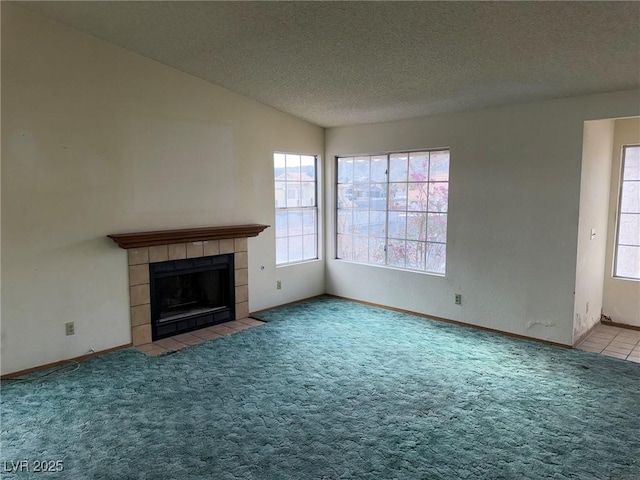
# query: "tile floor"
[615,342]
[183,340]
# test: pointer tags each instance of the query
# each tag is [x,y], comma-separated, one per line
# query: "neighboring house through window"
[296,207]
[392,209]
[627,258]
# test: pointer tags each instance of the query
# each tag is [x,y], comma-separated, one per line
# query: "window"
[296,208]
[392,209]
[627,264]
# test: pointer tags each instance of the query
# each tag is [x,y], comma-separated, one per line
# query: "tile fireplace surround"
[144,248]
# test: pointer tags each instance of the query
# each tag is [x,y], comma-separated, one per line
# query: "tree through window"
[392,209]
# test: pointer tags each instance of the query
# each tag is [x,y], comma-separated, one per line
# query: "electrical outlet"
[458,299]
[278,285]
[70,328]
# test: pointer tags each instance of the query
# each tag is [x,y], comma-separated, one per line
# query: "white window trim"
[315,207]
[618,214]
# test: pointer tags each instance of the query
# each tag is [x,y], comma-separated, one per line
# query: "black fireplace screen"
[190,294]
[185,294]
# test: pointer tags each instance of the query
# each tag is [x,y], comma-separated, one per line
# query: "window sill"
[397,269]
[626,279]
[301,262]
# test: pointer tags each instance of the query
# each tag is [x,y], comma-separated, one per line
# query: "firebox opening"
[191,294]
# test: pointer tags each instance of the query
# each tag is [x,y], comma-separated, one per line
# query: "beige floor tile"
[188,338]
[630,337]
[251,321]
[237,325]
[596,343]
[205,334]
[607,329]
[603,335]
[593,339]
[615,355]
[221,330]
[621,350]
[597,331]
[589,348]
[614,342]
[627,338]
[622,344]
[170,343]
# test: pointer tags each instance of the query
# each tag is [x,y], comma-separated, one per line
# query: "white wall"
[621,297]
[513,213]
[97,140]
[593,218]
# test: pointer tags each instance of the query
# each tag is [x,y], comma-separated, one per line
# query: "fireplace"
[189,252]
[190,294]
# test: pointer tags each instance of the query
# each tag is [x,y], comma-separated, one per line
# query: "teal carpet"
[330,389]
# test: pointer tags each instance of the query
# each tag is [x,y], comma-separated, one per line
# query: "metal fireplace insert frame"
[200,316]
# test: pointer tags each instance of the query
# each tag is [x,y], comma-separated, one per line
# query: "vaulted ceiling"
[341,63]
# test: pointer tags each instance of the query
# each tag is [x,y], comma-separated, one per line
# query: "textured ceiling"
[341,63]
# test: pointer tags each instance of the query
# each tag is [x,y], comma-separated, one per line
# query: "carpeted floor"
[331,389]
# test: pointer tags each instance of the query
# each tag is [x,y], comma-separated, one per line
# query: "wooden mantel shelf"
[167,237]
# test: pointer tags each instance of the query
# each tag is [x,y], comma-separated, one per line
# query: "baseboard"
[619,325]
[454,322]
[258,312]
[62,362]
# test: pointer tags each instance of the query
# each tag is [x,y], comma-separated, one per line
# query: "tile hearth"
[184,340]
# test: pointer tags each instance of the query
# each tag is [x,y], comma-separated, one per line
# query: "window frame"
[387,211]
[619,214]
[315,208]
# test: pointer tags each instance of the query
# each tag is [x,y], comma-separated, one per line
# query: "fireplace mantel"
[166,237]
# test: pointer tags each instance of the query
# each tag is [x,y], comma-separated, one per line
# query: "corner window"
[627,258]
[392,209]
[296,207]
